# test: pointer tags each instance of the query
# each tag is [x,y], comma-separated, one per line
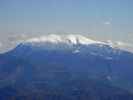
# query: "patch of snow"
[76,39]
[68,39]
[76,51]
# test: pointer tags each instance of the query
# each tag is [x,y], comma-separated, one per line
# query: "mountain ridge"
[73,40]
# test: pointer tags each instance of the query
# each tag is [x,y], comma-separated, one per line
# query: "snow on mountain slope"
[67,39]
[73,40]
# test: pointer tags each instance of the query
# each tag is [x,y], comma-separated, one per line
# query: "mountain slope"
[61,63]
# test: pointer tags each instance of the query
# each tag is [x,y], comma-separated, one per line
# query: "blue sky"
[105,19]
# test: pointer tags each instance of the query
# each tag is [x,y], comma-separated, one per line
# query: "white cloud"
[125,46]
[107,23]
[121,45]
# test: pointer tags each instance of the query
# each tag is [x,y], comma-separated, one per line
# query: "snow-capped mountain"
[54,61]
[66,39]
[73,40]
[71,43]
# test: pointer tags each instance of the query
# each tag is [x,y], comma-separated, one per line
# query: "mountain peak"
[66,39]
[71,41]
